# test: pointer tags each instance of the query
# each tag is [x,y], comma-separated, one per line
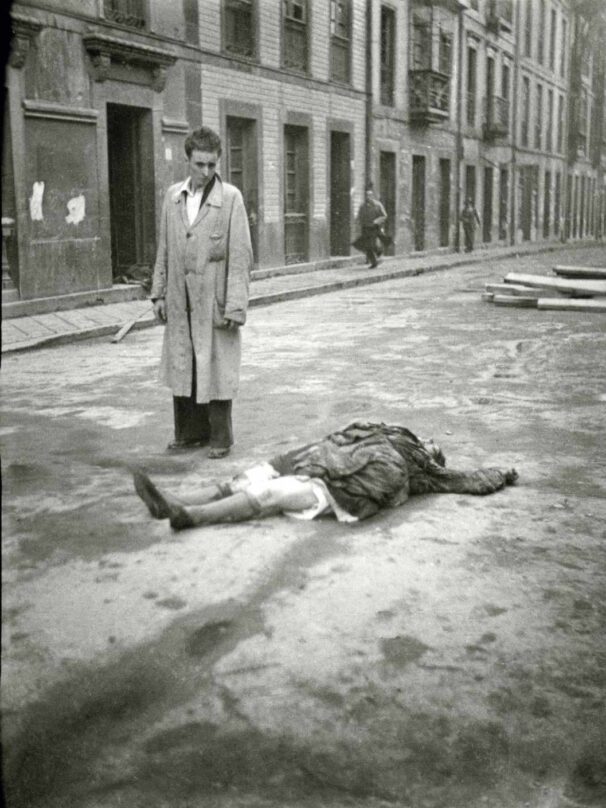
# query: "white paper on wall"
[77,209]
[35,202]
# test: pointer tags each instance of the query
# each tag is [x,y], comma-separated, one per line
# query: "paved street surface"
[32,331]
[446,654]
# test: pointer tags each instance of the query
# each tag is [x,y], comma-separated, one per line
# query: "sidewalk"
[268,286]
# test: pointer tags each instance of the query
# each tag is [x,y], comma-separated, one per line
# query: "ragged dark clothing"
[370,466]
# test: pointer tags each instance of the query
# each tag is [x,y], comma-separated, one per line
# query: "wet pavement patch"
[205,639]
[172,603]
[402,650]
[56,738]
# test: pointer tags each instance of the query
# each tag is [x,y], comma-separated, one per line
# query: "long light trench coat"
[206,267]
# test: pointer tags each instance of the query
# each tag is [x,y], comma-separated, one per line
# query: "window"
[295,35]
[239,27]
[421,44]
[125,12]
[541,32]
[528,30]
[340,39]
[471,86]
[560,124]
[445,54]
[525,110]
[582,123]
[549,128]
[538,121]
[505,81]
[552,38]
[388,32]
[190,14]
[563,50]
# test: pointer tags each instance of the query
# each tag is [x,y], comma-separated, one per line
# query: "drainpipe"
[369,104]
[459,133]
[514,126]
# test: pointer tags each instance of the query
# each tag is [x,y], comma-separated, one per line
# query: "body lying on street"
[353,473]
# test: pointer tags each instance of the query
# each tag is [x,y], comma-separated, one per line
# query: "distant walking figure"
[353,473]
[469,218]
[371,218]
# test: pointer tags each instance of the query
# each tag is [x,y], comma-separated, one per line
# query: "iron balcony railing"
[125,12]
[499,15]
[429,95]
[496,122]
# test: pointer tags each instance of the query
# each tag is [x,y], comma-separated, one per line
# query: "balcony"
[499,16]
[496,121]
[429,96]
[130,13]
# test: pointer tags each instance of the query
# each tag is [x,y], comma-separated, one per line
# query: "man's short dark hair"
[203,139]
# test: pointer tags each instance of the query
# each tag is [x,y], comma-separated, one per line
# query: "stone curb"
[294,294]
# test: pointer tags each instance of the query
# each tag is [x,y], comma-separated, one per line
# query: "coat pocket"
[216,247]
[218,314]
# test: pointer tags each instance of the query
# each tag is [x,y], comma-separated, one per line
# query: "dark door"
[487,208]
[242,170]
[387,195]
[444,202]
[296,194]
[503,200]
[340,206]
[418,202]
[547,205]
[526,202]
[131,188]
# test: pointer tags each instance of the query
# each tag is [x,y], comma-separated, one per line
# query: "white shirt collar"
[185,187]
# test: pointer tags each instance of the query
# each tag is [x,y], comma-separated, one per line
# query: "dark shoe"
[177,446]
[155,501]
[373,265]
[217,452]
[179,518]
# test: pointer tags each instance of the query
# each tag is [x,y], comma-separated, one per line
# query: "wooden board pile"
[572,288]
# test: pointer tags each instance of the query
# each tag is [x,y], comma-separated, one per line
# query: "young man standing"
[200,291]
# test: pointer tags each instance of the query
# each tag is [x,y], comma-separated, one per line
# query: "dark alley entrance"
[131,187]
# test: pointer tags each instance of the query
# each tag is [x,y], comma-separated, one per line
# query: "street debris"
[573,289]
[127,326]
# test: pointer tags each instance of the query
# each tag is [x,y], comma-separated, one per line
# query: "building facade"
[100,95]
[500,100]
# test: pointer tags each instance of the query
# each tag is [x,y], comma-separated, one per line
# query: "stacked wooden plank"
[572,288]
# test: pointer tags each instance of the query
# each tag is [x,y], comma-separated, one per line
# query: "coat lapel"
[214,200]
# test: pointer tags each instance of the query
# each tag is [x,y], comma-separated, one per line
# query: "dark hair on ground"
[203,139]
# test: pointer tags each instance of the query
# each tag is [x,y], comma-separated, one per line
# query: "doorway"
[296,194]
[242,170]
[487,208]
[418,202]
[340,206]
[131,188]
[387,195]
[547,205]
[444,202]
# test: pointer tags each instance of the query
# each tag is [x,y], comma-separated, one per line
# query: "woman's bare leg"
[235,508]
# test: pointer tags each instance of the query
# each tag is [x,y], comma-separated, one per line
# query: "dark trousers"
[208,423]
[469,233]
